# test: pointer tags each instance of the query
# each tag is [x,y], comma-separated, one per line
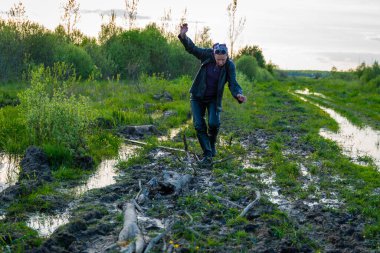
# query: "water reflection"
[356,142]
[104,176]
[47,224]
[9,169]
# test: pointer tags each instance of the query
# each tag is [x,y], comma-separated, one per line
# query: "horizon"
[294,35]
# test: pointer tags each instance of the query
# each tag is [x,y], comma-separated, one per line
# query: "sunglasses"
[220,49]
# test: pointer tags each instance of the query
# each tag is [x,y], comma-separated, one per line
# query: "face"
[220,59]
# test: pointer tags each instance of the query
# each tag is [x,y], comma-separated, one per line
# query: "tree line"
[116,53]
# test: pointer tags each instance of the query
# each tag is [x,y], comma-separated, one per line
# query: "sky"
[293,34]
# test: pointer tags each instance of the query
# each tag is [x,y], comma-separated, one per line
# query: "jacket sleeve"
[231,79]
[201,53]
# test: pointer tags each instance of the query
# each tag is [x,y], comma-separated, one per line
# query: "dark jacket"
[227,74]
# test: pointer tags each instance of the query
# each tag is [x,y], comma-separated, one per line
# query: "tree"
[131,12]
[165,21]
[71,16]
[254,51]
[109,30]
[17,13]
[235,27]
[203,38]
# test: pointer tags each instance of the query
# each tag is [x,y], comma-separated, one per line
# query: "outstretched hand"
[183,31]
[241,98]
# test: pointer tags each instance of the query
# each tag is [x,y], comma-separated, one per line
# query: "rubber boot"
[212,139]
[204,141]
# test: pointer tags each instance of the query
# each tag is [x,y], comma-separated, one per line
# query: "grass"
[283,132]
[357,101]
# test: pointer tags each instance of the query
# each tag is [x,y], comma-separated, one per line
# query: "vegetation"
[72,95]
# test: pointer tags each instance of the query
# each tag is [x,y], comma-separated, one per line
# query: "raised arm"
[201,53]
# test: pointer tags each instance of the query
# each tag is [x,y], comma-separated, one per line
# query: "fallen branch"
[228,201]
[130,237]
[250,205]
[191,217]
[140,190]
[162,147]
[156,239]
[223,160]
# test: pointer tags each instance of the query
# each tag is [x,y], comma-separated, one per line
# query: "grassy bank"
[356,100]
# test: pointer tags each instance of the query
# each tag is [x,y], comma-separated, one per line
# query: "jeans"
[206,133]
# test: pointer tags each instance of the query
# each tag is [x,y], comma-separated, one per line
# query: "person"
[207,91]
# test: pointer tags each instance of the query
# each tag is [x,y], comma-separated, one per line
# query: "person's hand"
[241,98]
[183,30]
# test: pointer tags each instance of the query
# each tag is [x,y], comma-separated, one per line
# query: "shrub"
[248,66]
[53,115]
[76,56]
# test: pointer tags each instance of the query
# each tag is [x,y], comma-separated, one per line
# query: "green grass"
[357,101]
[18,237]
[282,128]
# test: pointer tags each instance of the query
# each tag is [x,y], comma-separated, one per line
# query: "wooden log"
[130,237]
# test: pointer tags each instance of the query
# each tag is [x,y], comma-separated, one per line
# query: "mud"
[95,222]
[319,221]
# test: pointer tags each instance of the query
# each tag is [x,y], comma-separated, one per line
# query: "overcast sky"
[294,34]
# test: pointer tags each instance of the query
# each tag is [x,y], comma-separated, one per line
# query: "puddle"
[273,193]
[45,225]
[106,173]
[9,169]
[356,142]
[173,132]
[308,92]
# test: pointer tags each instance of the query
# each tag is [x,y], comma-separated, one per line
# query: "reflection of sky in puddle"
[106,173]
[47,224]
[8,171]
[356,142]
[104,176]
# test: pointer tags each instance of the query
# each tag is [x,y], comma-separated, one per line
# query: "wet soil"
[205,212]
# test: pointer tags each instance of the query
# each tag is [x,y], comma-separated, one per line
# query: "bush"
[102,60]
[76,56]
[53,115]
[248,66]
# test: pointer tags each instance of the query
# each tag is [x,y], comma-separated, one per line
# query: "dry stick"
[191,217]
[245,211]
[188,153]
[138,194]
[156,239]
[163,147]
[223,160]
[228,201]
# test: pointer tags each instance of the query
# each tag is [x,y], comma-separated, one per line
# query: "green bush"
[52,114]
[102,60]
[248,66]
[76,56]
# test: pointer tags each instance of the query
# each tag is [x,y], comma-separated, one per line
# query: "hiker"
[207,91]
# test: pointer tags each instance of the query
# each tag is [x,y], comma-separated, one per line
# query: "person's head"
[220,54]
